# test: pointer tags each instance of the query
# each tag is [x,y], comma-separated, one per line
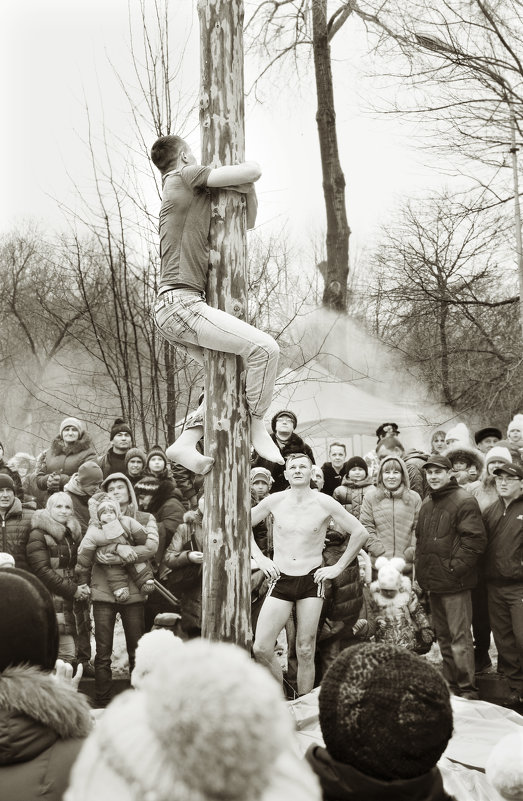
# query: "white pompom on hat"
[389,572]
[459,433]
[516,422]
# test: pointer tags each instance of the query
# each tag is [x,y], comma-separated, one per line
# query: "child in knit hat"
[354,486]
[386,719]
[397,610]
[113,533]
[515,433]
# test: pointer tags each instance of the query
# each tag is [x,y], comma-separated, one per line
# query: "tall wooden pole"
[226,568]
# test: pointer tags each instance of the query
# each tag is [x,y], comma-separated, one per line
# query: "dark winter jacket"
[181,576]
[351,494]
[63,458]
[341,782]
[17,481]
[450,538]
[42,727]
[51,555]
[344,594]
[15,528]
[294,444]
[112,462]
[168,510]
[504,555]
[414,461]
[80,501]
[331,478]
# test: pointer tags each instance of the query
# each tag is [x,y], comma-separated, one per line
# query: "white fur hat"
[209,723]
[389,572]
[504,767]
[516,422]
[459,433]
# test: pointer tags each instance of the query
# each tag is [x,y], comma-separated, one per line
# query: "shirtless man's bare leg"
[308,611]
[272,618]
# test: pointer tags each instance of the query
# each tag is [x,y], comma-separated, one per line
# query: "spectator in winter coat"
[343,600]
[15,522]
[515,433]
[164,501]
[334,470]
[121,439]
[486,438]
[485,493]
[354,486]
[458,435]
[81,487]
[390,512]
[157,464]
[398,614]
[261,482]
[14,474]
[105,608]
[51,554]
[71,448]
[504,574]
[450,538]
[414,460]
[467,465]
[386,719]
[283,424]
[135,461]
[43,720]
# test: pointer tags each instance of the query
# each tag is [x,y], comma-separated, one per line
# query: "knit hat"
[6,560]
[516,422]
[156,451]
[262,473]
[135,453]
[75,422]
[356,461]
[120,425]
[284,413]
[389,572]
[498,454]
[6,482]
[380,431]
[147,485]
[459,433]
[107,504]
[385,711]
[29,633]
[90,473]
[208,723]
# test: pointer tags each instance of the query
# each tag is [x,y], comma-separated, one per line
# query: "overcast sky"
[56,59]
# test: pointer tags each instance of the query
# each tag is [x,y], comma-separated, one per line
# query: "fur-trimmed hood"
[42,520]
[58,447]
[35,711]
[473,455]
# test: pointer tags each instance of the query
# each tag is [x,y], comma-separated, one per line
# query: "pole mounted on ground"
[226,569]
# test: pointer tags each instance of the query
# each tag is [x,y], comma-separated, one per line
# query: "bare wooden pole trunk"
[226,568]
[337,268]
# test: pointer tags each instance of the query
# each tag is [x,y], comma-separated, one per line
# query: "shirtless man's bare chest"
[299,533]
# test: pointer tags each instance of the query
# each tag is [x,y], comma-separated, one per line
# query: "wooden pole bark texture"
[226,568]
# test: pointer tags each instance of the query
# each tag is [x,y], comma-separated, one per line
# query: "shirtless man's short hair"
[301,516]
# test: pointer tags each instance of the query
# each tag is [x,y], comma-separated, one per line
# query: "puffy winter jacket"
[15,528]
[450,538]
[344,594]
[391,517]
[42,728]
[351,494]
[63,458]
[51,555]
[504,556]
[168,509]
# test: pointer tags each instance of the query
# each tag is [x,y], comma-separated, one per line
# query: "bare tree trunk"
[338,232]
[226,569]
[170,414]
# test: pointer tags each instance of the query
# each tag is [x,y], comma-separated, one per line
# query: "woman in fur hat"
[43,720]
[71,448]
[390,513]
[51,554]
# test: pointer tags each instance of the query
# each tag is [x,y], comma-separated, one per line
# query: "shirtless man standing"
[301,516]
